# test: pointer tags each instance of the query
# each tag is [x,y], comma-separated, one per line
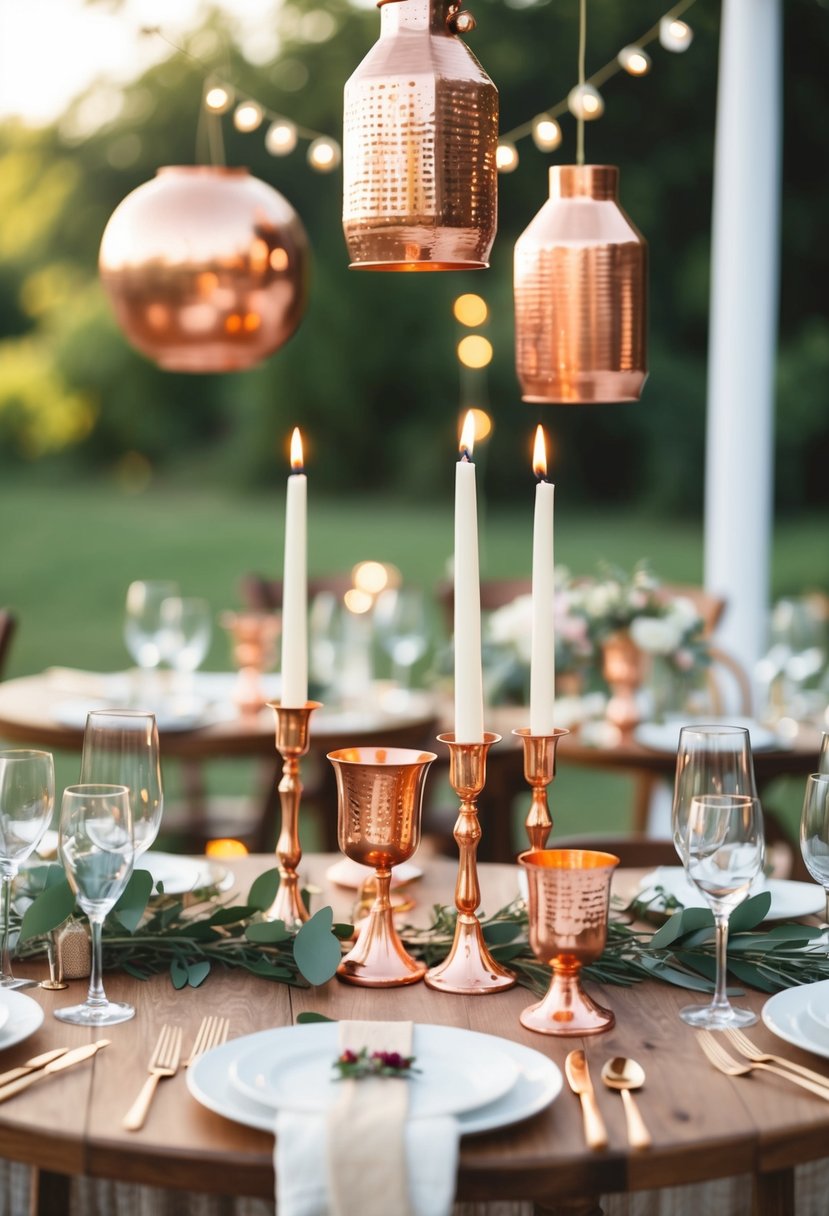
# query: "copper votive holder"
[539,771]
[569,897]
[380,796]
[469,967]
[292,741]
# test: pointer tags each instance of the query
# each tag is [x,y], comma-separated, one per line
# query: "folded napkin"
[364,1155]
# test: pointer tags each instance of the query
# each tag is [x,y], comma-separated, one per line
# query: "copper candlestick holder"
[469,967]
[380,795]
[292,741]
[539,771]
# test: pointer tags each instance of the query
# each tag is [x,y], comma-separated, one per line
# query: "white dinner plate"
[789,900]
[664,736]
[181,874]
[538,1084]
[292,1068]
[23,1017]
[817,1006]
[786,1014]
[348,873]
[168,718]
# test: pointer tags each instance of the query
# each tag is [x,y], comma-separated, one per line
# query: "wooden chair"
[8,625]
[635,852]
[262,594]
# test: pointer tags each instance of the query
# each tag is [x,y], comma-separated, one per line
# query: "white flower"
[657,635]
[684,611]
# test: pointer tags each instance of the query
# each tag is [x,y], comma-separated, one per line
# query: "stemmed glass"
[402,626]
[120,747]
[709,760]
[186,626]
[27,796]
[724,851]
[814,830]
[823,755]
[143,626]
[97,851]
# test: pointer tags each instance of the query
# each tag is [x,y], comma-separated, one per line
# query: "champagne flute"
[724,852]
[143,628]
[814,830]
[96,849]
[120,747]
[709,760]
[27,796]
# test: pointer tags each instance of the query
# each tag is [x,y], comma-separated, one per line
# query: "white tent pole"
[743,323]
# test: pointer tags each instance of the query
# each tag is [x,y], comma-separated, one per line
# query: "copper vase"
[205,268]
[580,294]
[420,136]
[623,667]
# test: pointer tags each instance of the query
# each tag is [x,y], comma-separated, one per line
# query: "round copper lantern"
[205,268]
[420,136]
[581,294]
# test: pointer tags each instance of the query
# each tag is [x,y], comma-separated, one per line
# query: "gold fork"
[212,1032]
[726,1063]
[163,1063]
[751,1052]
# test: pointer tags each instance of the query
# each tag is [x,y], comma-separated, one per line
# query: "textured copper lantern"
[205,268]
[420,134]
[581,294]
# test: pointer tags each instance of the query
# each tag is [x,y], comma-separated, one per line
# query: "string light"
[218,98]
[324,154]
[281,137]
[470,310]
[585,101]
[247,116]
[475,351]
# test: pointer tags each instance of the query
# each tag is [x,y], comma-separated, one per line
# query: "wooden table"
[704,1124]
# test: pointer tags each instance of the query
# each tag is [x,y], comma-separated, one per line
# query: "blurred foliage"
[372,374]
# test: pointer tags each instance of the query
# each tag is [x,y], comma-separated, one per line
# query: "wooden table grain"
[704,1125]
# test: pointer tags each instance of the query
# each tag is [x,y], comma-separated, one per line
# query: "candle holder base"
[539,771]
[469,967]
[292,741]
[378,958]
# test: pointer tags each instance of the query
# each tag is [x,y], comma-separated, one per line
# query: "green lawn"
[69,554]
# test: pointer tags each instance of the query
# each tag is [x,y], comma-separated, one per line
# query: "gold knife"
[32,1065]
[76,1056]
[578,1077]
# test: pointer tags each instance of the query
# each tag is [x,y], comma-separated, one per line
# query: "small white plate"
[181,874]
[292,1068]
[190,717]
[348,873]
[664,736]
[539,1083]
[786,1014]
[23,1017]
[817,1006]
[789,900]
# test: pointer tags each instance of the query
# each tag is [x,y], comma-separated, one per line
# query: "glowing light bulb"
[586,102]
[506,157]
[218,98]
[324,154]
[280,138]
[247,116]
[470,310]
[675,35]
[475,351]
[546,133]
[634,60]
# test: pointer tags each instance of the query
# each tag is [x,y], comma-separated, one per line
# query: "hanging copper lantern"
[420,134]
[580,293]
[205,268]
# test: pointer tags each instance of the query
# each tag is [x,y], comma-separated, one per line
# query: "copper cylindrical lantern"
[205,268]
[420,133]
[581,294]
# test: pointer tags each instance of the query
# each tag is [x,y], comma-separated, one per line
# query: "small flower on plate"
[355,1065]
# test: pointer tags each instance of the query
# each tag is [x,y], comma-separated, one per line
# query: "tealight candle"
[543,653]
[295,584]
[469,697]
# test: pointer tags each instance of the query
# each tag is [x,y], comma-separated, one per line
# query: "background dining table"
[704,1125]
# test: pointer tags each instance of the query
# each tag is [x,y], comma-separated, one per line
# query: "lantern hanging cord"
[598,78]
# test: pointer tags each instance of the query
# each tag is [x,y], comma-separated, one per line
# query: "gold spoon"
[625,1074]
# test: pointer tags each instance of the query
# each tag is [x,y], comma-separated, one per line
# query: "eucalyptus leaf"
[498,933]
[672,975]
[266,932]
[179,973]
[197,973]
[133,902]
[749,974]
[308,1015]
[50,909]
[317,951]
[343,932]
[232,915]
[264,889]
[679,924]
[750,913]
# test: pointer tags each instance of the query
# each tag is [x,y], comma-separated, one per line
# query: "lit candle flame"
[540,453]
[297,461]
[467,442]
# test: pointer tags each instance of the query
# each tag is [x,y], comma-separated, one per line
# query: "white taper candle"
[543,653]
[469,697]
[295,584]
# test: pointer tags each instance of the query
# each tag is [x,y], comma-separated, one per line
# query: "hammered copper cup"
[569,897]
[380,794]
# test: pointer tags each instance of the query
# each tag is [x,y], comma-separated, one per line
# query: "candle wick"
[466,456]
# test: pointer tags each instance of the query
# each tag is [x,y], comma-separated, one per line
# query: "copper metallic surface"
[623,667]
[469,967]
[380,796]
[569,896]
[253,636]
[420,185]
[292,741]
[539,771]
[581,294]
[205,268]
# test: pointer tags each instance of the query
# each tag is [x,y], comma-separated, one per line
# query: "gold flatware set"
[754,1059]
[165,1059]
[619,1074]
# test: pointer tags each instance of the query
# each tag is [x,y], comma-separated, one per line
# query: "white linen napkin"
[364,1155]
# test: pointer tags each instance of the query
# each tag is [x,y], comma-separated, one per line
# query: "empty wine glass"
[27,796]
[402,625]
[186,627]
[97,851]
[120,747]
[143,627]
[724,851]
[823,755]
[709,760]
[814,830]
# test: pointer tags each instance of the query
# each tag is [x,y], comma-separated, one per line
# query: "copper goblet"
[380,794]
[569,896]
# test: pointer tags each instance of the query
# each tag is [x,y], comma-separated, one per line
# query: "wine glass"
[823,755]
[186,627]
[814,830]
[724,851]
[96,849]
[143,627]
[120,747]
[27,796]
[709,760]
[403,628]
